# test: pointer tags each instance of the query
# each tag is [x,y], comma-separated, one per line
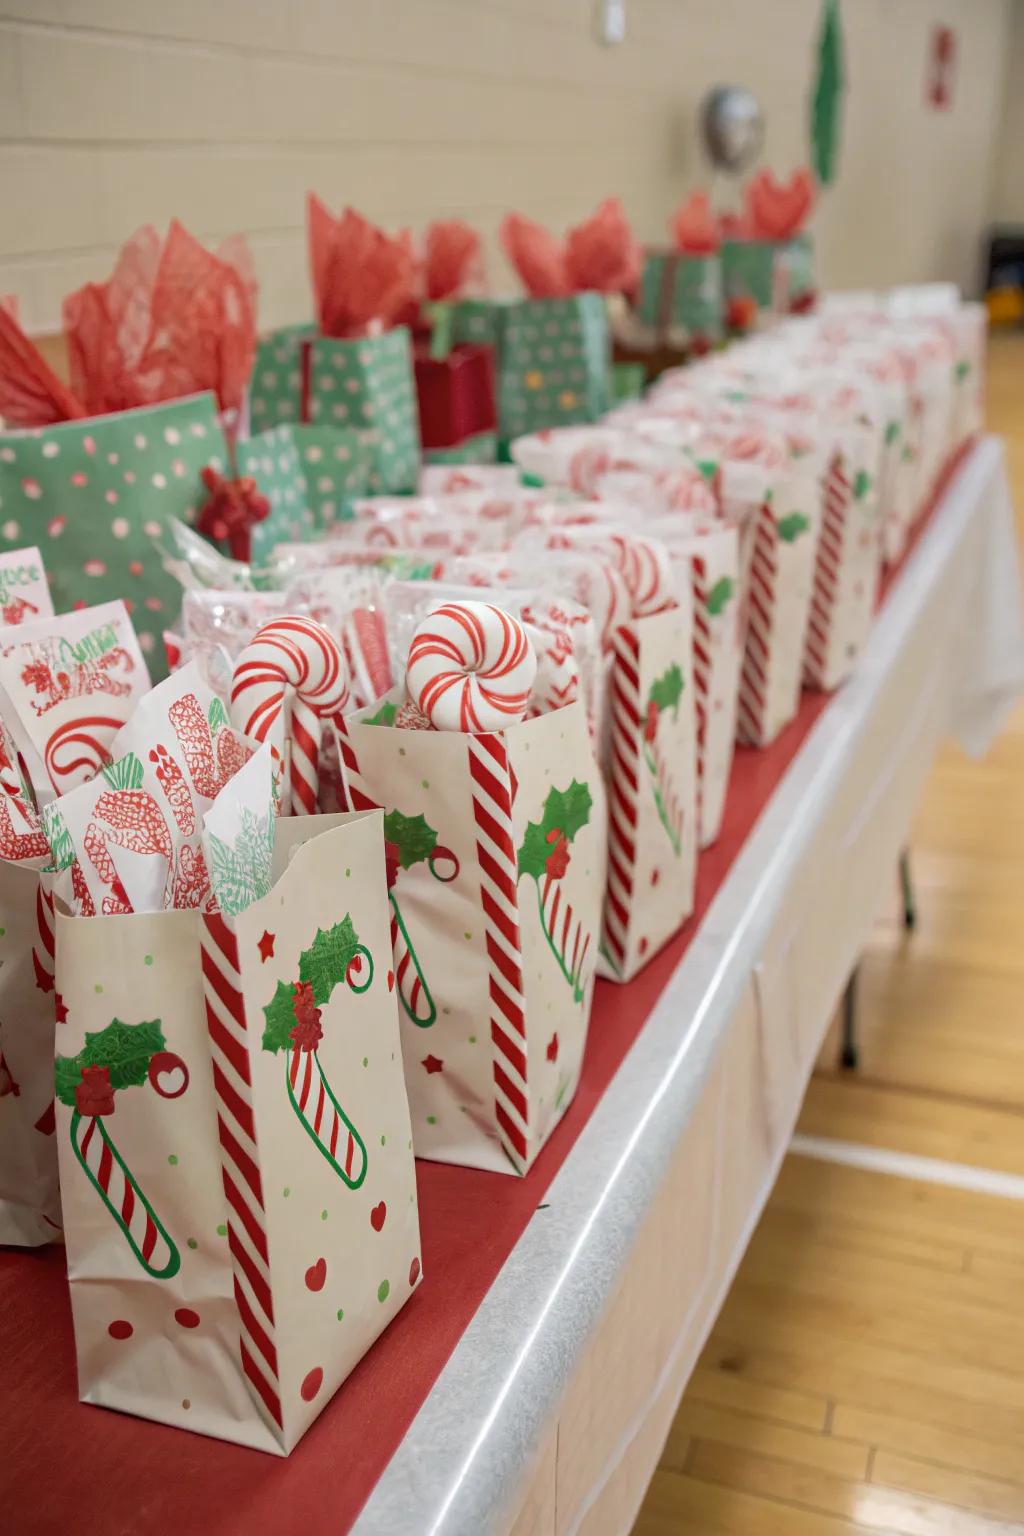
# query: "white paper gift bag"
[497,845]
[847,561]
[236,1165]
[29,1196]
[651,770]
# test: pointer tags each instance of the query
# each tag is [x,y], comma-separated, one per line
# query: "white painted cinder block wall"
[223,112]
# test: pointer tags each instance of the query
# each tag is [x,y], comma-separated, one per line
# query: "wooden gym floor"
[867,1371]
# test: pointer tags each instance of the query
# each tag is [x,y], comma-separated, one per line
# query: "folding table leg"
[849,1056]
[907,888]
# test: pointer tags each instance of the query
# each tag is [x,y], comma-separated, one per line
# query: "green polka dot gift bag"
[94,495]
[362,385]
[681,297]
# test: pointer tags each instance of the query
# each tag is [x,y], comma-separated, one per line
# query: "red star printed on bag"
[432,1064]
[266,946]
[552,1050]
[60,1009]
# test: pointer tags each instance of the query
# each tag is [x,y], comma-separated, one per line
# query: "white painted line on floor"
[906,1165]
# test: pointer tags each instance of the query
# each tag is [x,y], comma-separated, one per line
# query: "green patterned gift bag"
[797,259]
[479,449]
[682,293]
[272,459]
[94,495]
[552,358]
[748,271]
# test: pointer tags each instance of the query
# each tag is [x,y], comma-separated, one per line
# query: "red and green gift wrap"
[363,384]
[681,292]
[769,274]
[552,358]
[455,389]
[94,495]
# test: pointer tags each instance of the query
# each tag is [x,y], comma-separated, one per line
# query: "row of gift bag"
[547,746]
[407,356]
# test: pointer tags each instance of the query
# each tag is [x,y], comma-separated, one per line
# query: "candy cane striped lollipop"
[294,657]
[471,668]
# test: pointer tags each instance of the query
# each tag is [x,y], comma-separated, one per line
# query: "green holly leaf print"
[565,811]
[961,370]
[667,690]
[790,528]
[126,1050]
[413,836]
[385,715]
[240,873]
[217,715]
[327,959]
[719,595]
[892,431]
[126,773]
[279,1014]
[708,468]
[55,830]
[861,485]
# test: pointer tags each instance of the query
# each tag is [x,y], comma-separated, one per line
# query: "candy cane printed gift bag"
[496,846]
[847,560]
[233,1130]
[29,1198]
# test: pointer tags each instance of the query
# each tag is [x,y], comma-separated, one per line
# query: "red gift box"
[456,395]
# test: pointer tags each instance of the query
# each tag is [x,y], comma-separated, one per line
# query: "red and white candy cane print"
[240,1167]
[496,853]
[297,657]
[761,616]
[623,791]
[701,665]
[471,667]
[827,565]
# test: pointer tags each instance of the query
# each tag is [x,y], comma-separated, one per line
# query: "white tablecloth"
[550,1414]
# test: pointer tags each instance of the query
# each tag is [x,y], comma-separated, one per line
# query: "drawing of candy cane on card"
[293,1025]
[113,1060]
[411,840]
[665,693]
[544,855]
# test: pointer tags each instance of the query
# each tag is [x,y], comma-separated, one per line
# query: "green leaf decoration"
[708,468]
[862,484]
[55,830]
[126,773]
[413,836]
[327,959]
[667,690]
[217,715]
[790,528]
[961,370]
[826,102]
[384,716]
[720,594]
[240,872]
[125,1049]
[565,811]
[279,1014]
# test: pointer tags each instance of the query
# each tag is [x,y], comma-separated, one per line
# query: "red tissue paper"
[173,319]
[31,395]
[778,210]
[694,228]
[363,279]
[599,254]
[452,264]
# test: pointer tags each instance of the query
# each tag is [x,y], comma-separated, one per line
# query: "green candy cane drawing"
[293,1025]
[114,1059]
[544,856]
[666,691]
[410,840]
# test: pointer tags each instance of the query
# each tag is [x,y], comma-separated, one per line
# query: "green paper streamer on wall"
[826,103]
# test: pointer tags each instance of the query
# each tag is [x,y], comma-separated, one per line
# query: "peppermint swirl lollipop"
[471,668]
[298,658]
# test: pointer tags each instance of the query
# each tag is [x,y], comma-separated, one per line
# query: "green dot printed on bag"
[94,495]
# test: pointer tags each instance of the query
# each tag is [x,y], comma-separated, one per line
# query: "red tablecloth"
[85,1471]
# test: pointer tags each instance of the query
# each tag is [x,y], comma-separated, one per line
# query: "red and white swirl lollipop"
[471,668]
[296,659]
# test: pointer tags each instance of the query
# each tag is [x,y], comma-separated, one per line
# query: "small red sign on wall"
[941,69]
